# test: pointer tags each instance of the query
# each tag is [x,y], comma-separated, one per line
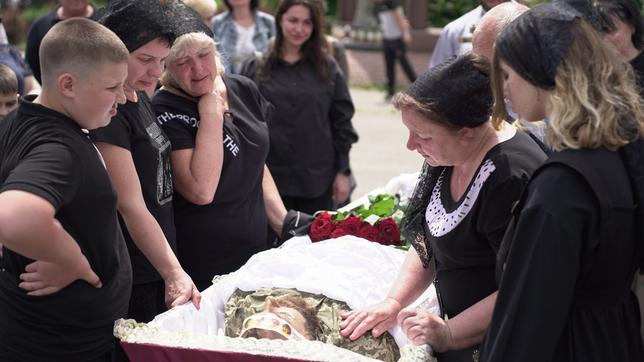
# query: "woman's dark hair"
[313,49]
[455,93]
[253,5]
[624,10]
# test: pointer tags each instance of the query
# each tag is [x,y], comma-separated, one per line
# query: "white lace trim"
[439,221]
[128,330]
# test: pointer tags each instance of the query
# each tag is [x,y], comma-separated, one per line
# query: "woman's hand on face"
[44,278]
[379,318]
[422,327]
[211,105]
[179,289]
[341,188]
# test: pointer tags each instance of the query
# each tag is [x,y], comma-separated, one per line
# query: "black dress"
[220,237]
[566,265]
[465,234]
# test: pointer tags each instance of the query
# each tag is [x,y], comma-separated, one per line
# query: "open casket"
[348,269]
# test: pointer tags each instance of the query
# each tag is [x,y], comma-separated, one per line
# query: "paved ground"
[380,154]
[368,67]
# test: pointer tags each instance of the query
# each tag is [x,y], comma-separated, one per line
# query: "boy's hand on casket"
[296,223]
[379,318]
[179,289]
[422,327]
[44,278]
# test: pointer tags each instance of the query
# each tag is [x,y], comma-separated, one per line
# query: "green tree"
[442,12]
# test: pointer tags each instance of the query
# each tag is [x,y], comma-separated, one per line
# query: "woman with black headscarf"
[569,256]
[474,172]
[136,152]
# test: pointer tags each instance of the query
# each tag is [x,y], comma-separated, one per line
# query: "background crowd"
[150,145]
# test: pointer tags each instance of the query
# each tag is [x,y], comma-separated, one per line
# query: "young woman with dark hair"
[310,131]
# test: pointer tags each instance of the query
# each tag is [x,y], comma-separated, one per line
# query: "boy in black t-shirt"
[66,273]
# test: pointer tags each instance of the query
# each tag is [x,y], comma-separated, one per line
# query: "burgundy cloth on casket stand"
[140,352]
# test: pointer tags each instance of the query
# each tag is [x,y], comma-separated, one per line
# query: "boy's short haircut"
[8,81]
[76,46]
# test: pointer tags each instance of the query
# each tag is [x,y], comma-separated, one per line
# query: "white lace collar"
[441,222]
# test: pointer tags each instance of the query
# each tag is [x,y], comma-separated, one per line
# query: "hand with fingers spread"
[44,278]
[377,318]
[179,289]
[422,327]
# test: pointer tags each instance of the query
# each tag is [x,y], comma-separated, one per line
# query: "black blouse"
[465,234]
[310,131]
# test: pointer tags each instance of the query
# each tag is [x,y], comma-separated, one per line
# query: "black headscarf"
[585,9]
[535,43]
[137,22]
[456,90]
[184,19]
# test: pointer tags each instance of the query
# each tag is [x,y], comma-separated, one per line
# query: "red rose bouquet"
[376,221]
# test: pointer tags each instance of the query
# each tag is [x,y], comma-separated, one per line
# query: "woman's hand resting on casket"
[423,327]
[179,289]
[378,318]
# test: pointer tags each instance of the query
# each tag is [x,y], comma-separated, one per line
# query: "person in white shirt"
[456,37]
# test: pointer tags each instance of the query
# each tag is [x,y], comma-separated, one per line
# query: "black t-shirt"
[135,129]
[220,237]
[465,234]
[311,131]
[45,153]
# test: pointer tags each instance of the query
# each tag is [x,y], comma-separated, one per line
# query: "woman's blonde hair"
[181,46]
[594,103]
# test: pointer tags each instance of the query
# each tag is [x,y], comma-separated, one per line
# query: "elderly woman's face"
[195,71]
[437,144]
[527,101]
